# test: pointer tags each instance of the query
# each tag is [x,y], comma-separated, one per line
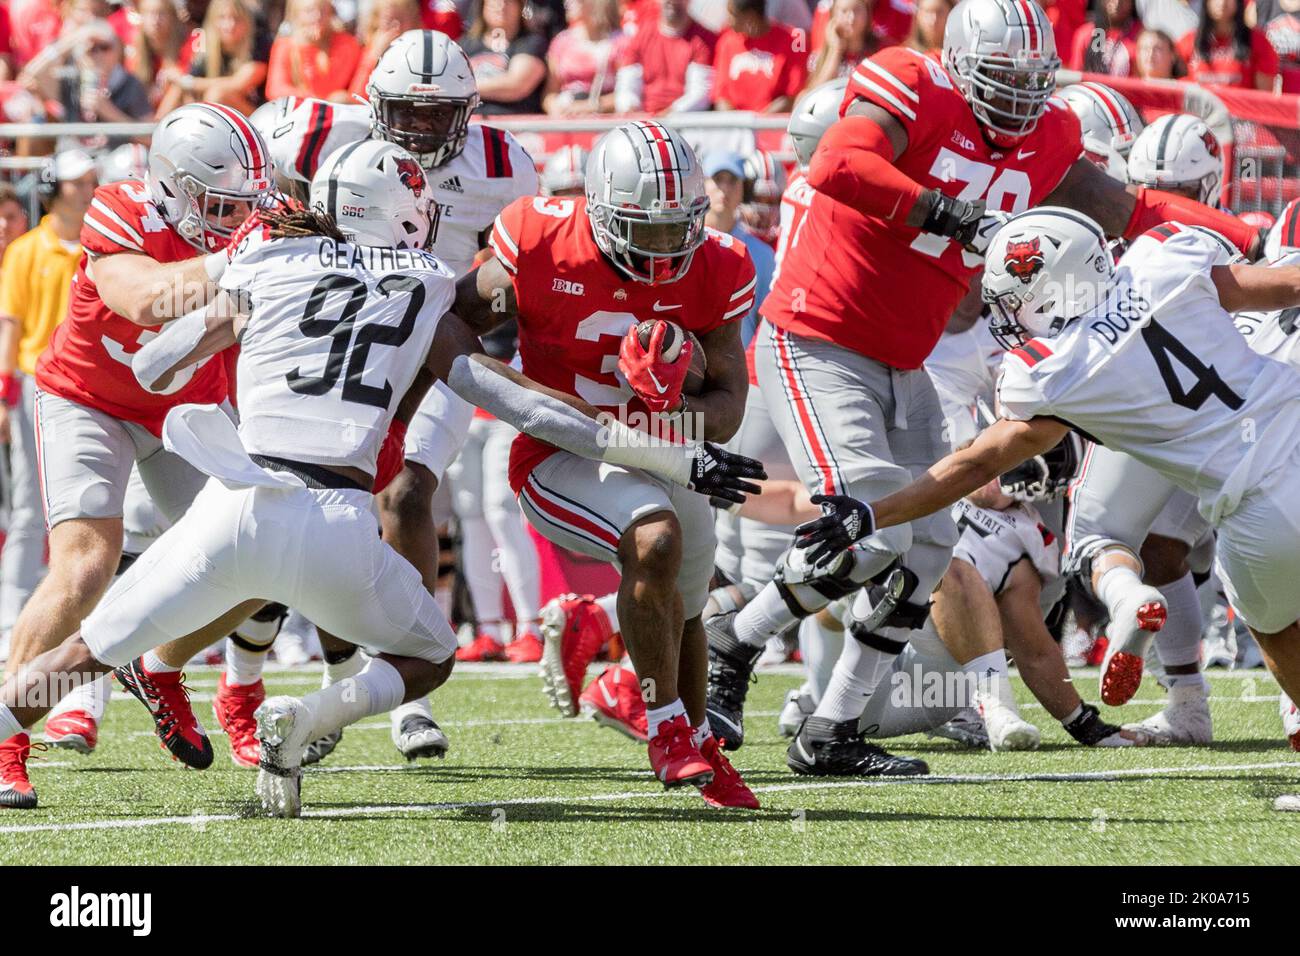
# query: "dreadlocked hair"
[296,223]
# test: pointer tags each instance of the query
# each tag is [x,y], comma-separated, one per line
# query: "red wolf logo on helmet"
[1024,258]
[411,175]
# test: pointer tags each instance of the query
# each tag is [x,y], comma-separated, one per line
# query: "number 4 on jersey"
[1166,350]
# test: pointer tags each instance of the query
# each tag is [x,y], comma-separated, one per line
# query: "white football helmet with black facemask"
[1002,56]
[646,201]
[1042,269]
[208,170]
[1178,152]
[377,194]
[422,92]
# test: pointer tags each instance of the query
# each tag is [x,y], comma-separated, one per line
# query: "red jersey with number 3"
[88,360]
[575,307]
[880,287]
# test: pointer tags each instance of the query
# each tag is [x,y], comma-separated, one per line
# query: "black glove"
[720,474]
[957,219]
[844,520]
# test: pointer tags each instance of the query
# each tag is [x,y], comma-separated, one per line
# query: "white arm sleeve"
[627,89]
[698,93]
[172,346]
[558,424]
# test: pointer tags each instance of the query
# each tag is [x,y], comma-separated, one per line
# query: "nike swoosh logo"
[610,699]
[714,715]
[661,388]
[1023,155]
[665,308]
[803,752]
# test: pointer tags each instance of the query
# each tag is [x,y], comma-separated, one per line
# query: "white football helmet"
[565,171]
[764,185]
[1110,126]
[646,201]
[271,115]
[422,92]
[1178,152]
[208,171]
[813,115]
[1002,56]
[1042,269]
[377,193]
[128,161]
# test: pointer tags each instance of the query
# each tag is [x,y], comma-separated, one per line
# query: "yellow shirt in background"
[35,279]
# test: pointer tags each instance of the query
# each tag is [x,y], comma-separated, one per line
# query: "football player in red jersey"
[153,252]
[887,251]
[578,276]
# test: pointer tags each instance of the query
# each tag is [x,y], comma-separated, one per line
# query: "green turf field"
[523,786]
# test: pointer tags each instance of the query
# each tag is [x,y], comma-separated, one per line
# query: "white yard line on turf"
[1098,776]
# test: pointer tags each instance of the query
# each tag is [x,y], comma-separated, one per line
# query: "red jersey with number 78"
[575,307]
[880,287]
[88,360]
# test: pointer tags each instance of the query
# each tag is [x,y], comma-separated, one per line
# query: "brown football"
[673,340]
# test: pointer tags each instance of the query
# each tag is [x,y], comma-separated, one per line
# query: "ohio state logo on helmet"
[411,175]
[1024,259]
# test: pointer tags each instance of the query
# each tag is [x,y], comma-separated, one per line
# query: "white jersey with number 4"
[1159,372]
[335,337]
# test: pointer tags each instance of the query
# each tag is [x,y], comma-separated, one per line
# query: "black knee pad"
[125,562]
[271,612]
[338,657]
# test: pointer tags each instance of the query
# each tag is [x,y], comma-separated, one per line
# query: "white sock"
[1178,643]
[376,690]
[821,647]
[243,667]
[492,629]
[348,668]
[763,618]
[609,604]
[9,725]
[155,664]
[990,674]
[1115,585]
[853,679]
[91,697]
[655,716]
[702,733]
[416,708]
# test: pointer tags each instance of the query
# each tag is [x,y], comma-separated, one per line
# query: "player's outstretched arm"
[147,292]
[998,448]
[190,339]
[485,297]
[456,358]
[1129,211]
[1257,288]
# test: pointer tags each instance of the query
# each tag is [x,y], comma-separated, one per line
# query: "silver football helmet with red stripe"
[1002,56]
[1110,126]
[208,171]
[765,182]
[422,92]
[646,201]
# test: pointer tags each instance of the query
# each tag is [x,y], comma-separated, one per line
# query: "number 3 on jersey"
[950,167]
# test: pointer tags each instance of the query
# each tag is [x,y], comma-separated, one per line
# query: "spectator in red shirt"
[848,39]
[666,67]
[891,20]
[583,58]
[386,21]
[1223,51]
[34,25]
[1107,44]
[1157,57]
[926,34]
[758,65]
[442,15]
[316,59]
[1065,16]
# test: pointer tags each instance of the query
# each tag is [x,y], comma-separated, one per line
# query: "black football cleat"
[167,699]
[731,667]
[823,748]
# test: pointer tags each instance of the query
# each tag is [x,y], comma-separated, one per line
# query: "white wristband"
[633,448]
[215,264]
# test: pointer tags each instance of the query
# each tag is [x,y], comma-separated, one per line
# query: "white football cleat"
[1185,721]
[284,727]
[418,736]
[798,706]
[1007,730]
[1134,621]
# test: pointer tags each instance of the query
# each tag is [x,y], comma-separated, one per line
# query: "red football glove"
[392,456]
[655,382]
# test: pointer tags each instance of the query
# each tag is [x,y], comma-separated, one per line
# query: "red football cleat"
[1097,653]
[167,699]
[482,648]
[574,630]
[614,700]
[16,791]
[526,649]
[674,757]
[233,707]
[727,788]
[1121,671]
[74,730]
